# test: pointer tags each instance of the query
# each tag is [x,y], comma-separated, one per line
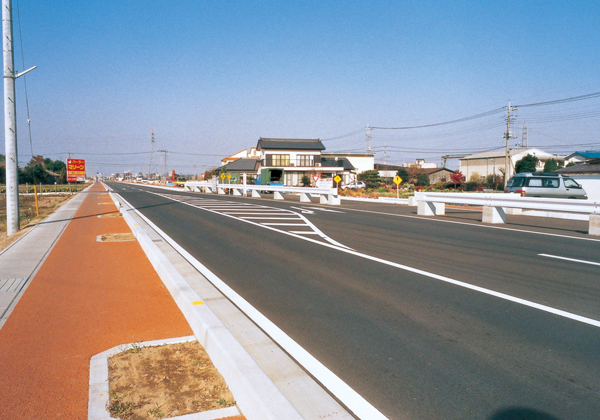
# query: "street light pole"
[10,126]
[10,121]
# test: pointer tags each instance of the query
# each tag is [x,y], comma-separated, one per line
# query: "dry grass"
[47,204]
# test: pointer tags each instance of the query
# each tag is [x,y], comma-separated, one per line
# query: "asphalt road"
[395,315]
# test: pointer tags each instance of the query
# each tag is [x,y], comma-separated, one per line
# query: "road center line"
[569,259]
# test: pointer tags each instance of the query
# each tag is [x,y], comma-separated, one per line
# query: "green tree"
[551,165]
[527,164]
[403,173]
[305,181]
[422,179]
[370,178]
[571,164]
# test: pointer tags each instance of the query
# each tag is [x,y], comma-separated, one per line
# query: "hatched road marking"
[272,218]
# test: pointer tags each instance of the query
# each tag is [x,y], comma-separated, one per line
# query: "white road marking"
[475,225]
[569,259]
[341,390]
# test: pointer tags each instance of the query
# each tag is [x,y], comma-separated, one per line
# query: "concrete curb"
[99,387]
[257,397]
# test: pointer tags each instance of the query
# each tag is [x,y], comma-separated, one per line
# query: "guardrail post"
[425,208]
[236,191]
[493,215]
[277,195]
[221,190]
[594,224]
[255,194]
[305,198]
[412,200]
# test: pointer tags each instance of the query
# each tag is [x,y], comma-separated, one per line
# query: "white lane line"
[322,209]
[486,226]
[569,259]
[284,224]
[524,302]
[341,390]
[308,232]
[272,218]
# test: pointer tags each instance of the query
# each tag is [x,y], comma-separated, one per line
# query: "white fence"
[494,205]
[326,195]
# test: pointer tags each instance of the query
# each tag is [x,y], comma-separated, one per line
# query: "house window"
[277,160]
[306,160]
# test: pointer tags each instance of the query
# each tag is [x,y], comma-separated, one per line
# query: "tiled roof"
[290,144]
[242,165]
[341,162]
[580,169]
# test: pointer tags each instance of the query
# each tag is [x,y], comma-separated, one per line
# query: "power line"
[561,101]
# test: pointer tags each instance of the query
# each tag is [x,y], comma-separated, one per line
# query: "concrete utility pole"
[10,121]
[368,138]
[508,136]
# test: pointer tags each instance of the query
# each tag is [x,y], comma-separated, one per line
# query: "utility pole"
[368,138]
[508,136]
[10,121]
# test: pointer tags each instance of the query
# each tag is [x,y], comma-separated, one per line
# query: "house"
[420,163]
[493,162]
[387,171]
[438,174]
[238,167]
[581,157]
[587,174]
[294,159]
[362,161]
[242,154]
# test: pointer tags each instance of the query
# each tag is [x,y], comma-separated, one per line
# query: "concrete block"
[236,192]
[255,194]
[594,224]
[305,198]
[493,215]
[277,195]
[412,201]
[509,210]
[221,190]
[425,208]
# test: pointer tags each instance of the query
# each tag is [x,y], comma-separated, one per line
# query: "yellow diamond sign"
[337,178]
[397,180]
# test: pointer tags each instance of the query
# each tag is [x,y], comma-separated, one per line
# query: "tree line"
[38,170]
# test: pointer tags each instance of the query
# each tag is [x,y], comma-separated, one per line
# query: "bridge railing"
[327,195]
[494,205]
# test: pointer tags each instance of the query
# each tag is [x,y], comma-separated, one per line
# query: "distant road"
[427,318]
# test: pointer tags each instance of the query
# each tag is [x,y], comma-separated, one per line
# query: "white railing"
[494,205]
[327,195]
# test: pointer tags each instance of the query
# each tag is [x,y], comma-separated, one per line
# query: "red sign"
[202,176]
[75,170]
[316,177]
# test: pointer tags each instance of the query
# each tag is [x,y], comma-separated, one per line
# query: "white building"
[493,163]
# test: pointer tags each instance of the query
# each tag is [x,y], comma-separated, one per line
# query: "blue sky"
[211,77]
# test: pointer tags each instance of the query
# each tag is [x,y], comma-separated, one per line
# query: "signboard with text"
[75,170]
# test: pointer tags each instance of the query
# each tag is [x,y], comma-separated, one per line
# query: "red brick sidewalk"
[87,297]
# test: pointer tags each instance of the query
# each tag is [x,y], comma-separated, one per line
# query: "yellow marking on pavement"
[198,302]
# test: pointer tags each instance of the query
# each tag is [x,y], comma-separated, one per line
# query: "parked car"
[354,185]
[545,185]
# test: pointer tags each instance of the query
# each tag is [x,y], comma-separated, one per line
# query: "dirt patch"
[116,237]
[47,204]
[165,381]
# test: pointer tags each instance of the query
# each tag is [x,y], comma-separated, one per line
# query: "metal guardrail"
[327,195]
[494,205]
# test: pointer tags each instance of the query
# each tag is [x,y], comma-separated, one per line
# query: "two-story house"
[287,161]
